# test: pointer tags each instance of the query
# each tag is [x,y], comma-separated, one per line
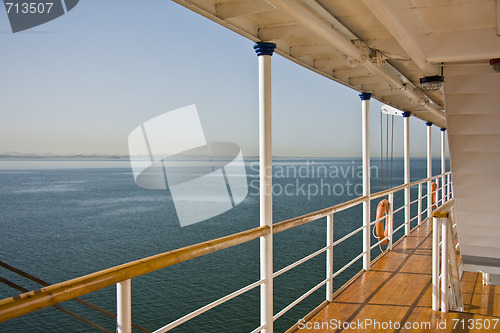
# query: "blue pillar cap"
[264,48]
[428,123]
[407,114]
[365,96]
[443,129]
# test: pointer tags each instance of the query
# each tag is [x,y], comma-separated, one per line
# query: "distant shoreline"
[126,157]
[53,156]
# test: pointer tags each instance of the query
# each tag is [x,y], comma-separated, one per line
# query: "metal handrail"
[444,210]
[13,307]
[28,302]
[300,220]
[299,262]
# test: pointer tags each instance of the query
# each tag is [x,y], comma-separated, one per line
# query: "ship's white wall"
[472,97]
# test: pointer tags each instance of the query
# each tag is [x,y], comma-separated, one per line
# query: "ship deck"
[398,289]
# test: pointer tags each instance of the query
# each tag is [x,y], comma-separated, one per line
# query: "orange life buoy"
[382,231]
[434,186]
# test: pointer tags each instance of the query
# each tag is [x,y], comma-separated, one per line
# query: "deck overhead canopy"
[385,48]
[381,47]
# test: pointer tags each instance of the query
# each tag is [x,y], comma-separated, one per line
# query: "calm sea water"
[63,219]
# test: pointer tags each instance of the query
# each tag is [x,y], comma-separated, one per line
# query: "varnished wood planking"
[398,289]
[478,298]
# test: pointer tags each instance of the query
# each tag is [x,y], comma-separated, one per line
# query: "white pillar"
[365,121]
[449,186]
[391,220]
[123,307]
[265,51]
[406,119]
[429,170]
[329,257]
[443,164]
[435,263]
[486,279]
[444,264]
[419,219]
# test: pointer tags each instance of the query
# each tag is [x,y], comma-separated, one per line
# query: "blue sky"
[83,82]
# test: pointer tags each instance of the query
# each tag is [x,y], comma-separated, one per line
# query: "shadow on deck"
[396,296]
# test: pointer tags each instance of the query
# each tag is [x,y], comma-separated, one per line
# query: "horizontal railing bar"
[60,308]
[348,235]
[301,261]
[79,300]
[318,252]
[296,221]
[386,215]
[400,208]
[300,299]
[397,229]
[259,329]
[444,210]
[349,264]
[412,202]
[379,242]
[388,191]
[402,186]
[207,307]
[380,219]
[16,306]
[377,220]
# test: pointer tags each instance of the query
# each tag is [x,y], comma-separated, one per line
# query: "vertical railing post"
[446,179]
[406,118]
[429,170]
[486,279]
[365,129]
[329,257]
[435,263]
[123,307]
[419,218]
[449,186]
[264,52]
[444,264]
[391,219]
[443,164]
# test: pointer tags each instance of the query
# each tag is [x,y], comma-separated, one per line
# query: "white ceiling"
[382,47]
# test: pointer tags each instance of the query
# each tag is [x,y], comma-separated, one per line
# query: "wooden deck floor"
[398,291]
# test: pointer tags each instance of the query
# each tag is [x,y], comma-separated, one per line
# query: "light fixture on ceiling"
[496,64]
[432,82]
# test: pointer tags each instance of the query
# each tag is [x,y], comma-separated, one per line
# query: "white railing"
[122,275]
[446,293]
